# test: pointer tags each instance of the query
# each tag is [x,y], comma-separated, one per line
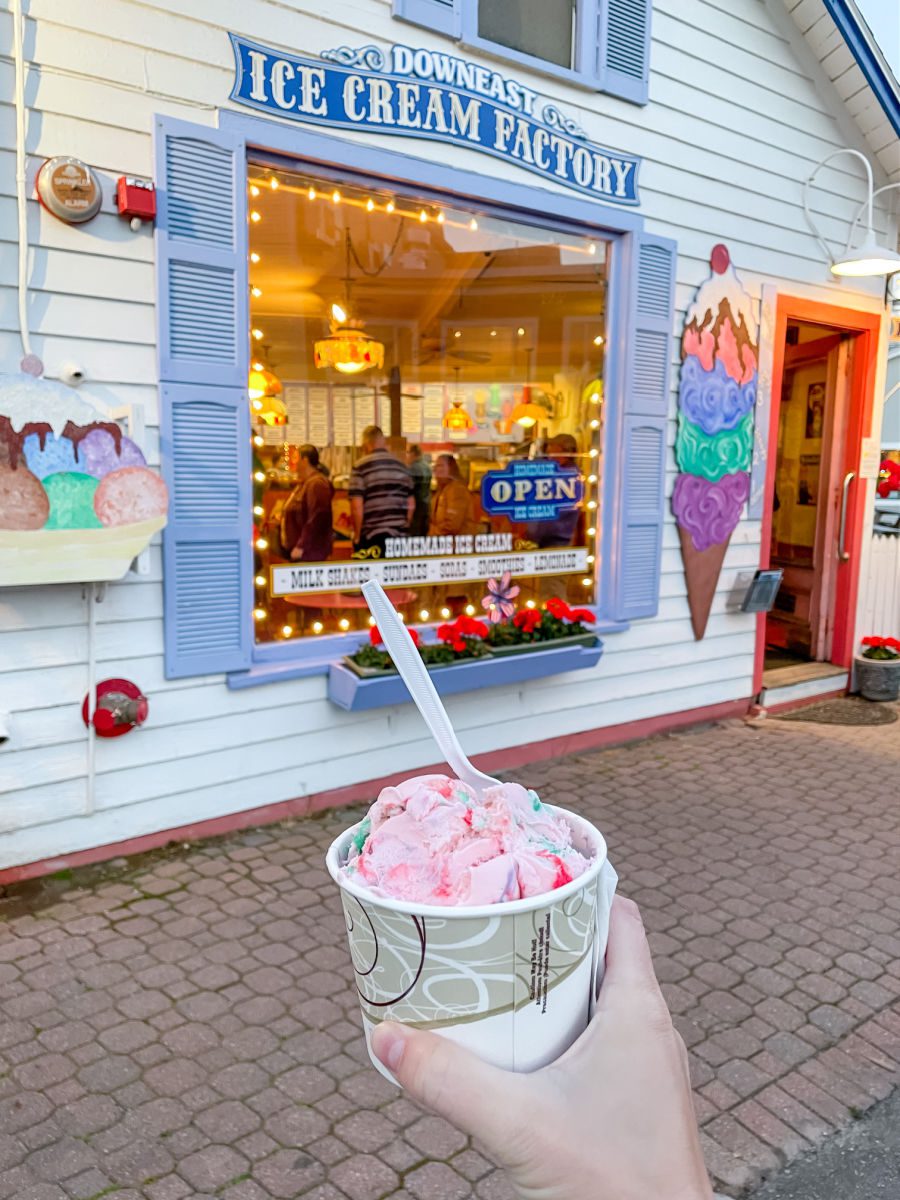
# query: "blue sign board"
[531,490]
[428,94]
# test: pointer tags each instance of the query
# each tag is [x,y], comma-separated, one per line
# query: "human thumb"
[478,1098]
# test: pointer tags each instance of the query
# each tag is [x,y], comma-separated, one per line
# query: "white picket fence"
[879,592]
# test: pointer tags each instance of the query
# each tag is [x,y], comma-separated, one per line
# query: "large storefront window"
[427,399]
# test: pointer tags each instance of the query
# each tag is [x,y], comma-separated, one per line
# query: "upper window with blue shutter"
[601,44]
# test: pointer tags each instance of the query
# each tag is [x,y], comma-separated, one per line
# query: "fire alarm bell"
[121,705]
[136,198]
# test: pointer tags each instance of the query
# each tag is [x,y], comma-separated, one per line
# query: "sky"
[883,18]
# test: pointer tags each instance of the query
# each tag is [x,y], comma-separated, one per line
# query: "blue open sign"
[532,490]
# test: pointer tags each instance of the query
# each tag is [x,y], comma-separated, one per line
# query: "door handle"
[843,554]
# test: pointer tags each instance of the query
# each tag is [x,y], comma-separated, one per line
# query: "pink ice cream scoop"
[130,494]
[433,840]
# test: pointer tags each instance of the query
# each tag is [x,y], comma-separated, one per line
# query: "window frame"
[286,147]
[585,73]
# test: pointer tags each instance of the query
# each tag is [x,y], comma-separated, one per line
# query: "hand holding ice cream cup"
[472,908]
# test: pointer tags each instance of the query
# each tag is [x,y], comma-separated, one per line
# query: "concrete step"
[801,681]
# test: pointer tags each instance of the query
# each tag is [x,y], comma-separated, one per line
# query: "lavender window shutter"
[638,542]
[204,414]
[623,48]
[440,16]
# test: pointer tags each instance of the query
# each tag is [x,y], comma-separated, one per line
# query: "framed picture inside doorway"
[815,410]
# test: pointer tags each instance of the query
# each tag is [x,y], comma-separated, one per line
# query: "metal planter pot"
[878,679]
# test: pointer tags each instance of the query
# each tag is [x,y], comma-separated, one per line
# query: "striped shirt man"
[381,493]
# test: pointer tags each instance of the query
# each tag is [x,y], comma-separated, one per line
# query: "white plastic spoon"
[415,675]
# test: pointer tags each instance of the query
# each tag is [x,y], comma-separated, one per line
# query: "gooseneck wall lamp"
[867,258]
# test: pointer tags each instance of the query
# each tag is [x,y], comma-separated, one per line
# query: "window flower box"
[350,691]
[373,672]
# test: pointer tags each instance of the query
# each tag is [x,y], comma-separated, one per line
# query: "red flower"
[582,614]
[377,640]
[451,635]
[528,619]
[892,643]
[472,627]
[559,609]
[463,627]
[875,641]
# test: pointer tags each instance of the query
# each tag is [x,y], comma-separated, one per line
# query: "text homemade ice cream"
[432,840]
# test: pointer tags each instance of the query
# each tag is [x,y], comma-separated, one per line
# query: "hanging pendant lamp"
[347,348]
[262,382]
[457,419]
[264,389]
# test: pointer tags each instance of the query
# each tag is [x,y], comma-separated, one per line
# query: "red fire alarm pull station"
[135,198]
[121,706]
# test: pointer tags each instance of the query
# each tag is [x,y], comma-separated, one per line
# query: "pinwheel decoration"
[498,603]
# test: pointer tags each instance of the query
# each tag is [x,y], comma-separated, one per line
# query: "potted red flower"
[878,668]
[533,628]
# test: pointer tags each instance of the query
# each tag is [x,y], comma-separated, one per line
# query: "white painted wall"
[735,123]
[879,613]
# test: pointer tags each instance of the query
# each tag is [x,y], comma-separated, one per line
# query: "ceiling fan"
[431,348]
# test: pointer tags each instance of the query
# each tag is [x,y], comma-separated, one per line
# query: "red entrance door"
[836,544]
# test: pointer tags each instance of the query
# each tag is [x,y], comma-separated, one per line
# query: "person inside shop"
[453,511]
[560,531]
[420,470]
[382,500]
[307,525]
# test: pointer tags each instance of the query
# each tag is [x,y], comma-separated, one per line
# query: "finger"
[628,959]
[473,1095]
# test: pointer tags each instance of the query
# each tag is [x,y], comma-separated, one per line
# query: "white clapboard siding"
[821,33]
[879,614]
[68,273]
[109,236]
[71,316]
[109,362]
[734,124]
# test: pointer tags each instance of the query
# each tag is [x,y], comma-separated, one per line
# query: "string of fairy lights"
[379,202]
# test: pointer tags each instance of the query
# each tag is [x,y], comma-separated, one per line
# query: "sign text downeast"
[426,94]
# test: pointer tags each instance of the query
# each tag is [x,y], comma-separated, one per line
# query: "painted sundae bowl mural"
[714,443]
[77,499]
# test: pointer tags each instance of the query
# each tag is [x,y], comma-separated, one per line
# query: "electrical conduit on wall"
[33,366]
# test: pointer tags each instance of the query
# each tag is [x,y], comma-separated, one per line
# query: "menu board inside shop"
[411,416]
[433,412]
[295,404]
[364,410]
[319,410]
[342,416]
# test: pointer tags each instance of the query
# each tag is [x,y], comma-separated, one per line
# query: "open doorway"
[812,426]
[823,377]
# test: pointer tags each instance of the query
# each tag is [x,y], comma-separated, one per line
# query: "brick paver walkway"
[185,1025]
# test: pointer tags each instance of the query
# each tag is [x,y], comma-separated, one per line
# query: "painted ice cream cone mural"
[77,499]
[714,444]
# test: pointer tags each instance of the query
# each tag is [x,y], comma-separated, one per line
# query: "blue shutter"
[204,415]
[440,16]
[623,47]
[637,544]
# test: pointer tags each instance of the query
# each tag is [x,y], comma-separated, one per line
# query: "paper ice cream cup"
[515,982]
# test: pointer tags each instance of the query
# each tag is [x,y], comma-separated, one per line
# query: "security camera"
[72,374]
[5,730]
